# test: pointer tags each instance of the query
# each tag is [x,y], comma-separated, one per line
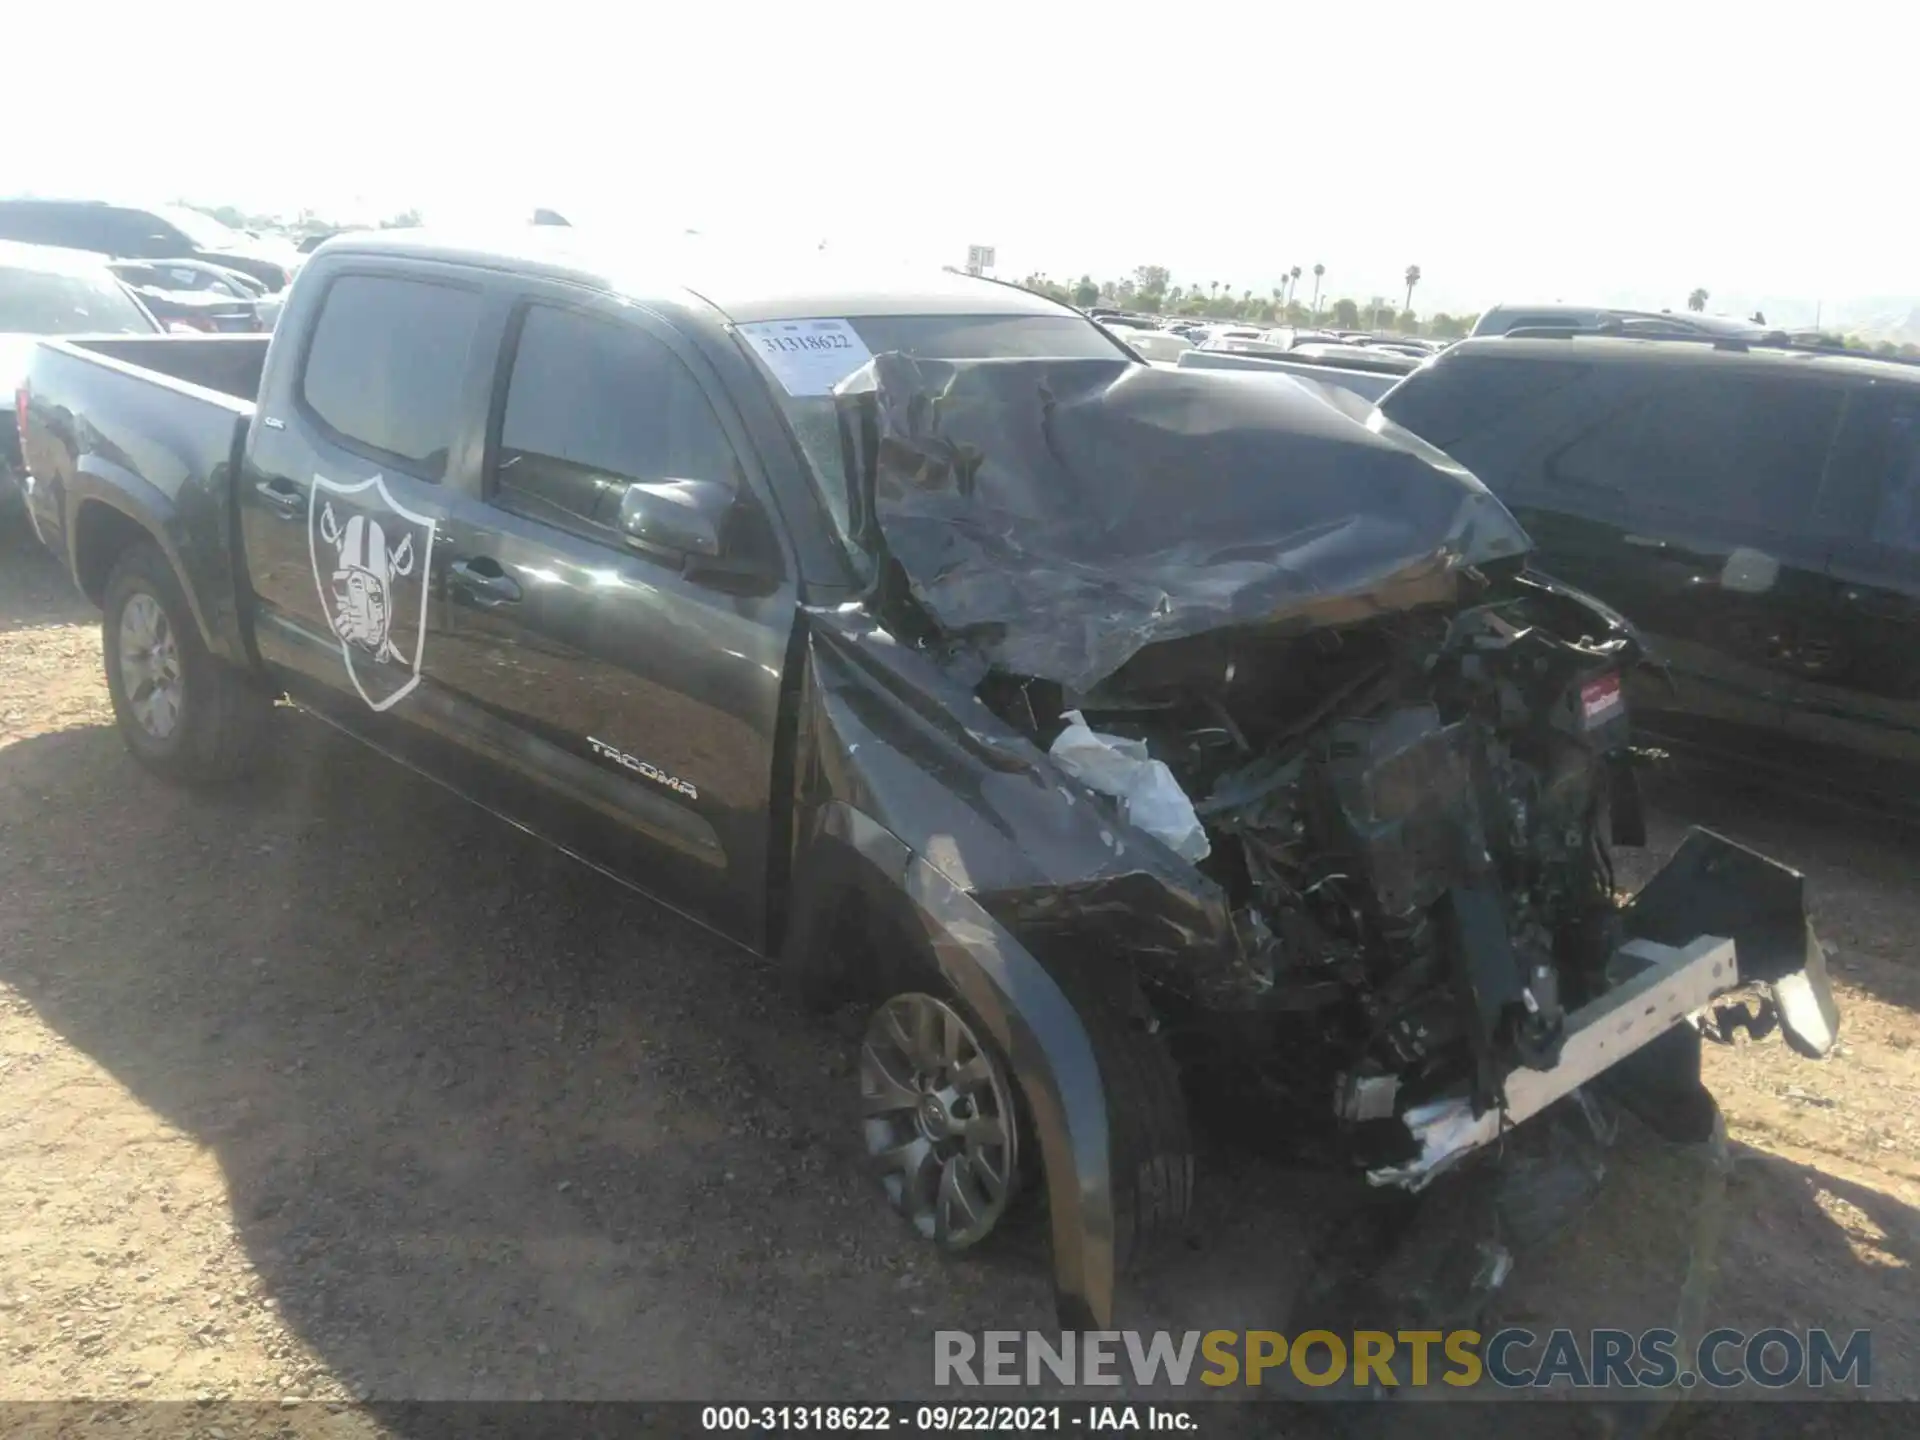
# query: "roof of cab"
[743,286]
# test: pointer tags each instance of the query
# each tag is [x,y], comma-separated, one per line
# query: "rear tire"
[184,715]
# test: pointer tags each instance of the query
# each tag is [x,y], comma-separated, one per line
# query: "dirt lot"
[340,1088]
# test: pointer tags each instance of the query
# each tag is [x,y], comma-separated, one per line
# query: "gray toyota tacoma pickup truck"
[1130,739]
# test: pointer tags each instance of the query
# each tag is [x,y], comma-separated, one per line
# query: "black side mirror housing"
[678,517]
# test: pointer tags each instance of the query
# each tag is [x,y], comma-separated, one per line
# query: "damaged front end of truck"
[1251,704]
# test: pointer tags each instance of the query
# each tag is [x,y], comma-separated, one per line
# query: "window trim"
[354,446]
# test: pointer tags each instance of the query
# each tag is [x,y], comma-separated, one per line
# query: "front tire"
[924,1052]
[183,715]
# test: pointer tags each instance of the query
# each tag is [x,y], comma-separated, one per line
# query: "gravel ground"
[339,1089]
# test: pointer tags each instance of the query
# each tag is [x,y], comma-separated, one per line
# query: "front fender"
[1027,1013]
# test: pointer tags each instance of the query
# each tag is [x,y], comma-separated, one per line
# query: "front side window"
[387,366]
[592,407]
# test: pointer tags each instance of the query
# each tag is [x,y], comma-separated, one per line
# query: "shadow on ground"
[33,590]
[490,1124]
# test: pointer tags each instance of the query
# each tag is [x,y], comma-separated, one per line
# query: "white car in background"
[1161,346]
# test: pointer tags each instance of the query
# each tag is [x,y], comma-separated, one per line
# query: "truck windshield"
[934,337]
[43,302]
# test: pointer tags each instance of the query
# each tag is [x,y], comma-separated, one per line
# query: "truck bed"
[148,431]
[228,364]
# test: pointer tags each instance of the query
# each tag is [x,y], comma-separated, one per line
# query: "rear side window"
[1873,491]
[1747,448]
[1896,516]
[592,407]
[99,228]
[1461,395]
[31,224]
[387,364]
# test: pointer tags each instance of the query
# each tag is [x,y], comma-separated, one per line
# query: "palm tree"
[1318,271]
[1697,300]
[1213,287]
[1413,279]
[1294,276]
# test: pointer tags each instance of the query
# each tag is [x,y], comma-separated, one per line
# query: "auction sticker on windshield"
[807,357]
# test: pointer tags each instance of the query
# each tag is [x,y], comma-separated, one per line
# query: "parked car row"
[163,232]
[189,270]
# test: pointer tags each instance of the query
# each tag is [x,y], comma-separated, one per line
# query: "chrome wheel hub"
[939,1120]
[150,671]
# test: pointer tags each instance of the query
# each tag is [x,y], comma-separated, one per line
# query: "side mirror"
[682,517]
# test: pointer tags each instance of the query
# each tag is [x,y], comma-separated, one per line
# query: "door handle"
[1645,542]
[281,497]
[484,581]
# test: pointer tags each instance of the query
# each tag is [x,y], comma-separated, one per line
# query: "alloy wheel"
[150,671]
[940,1124]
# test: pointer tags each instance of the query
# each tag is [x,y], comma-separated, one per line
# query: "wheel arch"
[102,530]
[849,865]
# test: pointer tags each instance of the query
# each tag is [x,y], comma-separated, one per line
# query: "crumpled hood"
[1062,515]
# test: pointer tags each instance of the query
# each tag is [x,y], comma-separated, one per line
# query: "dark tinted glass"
[100,228]
[1871,490]
[32,224]
[1463,395]
[592,407]
[1896,503]
[1749,448]
[36,302]
[387,364]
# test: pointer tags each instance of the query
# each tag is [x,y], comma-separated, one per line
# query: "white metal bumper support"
[1672,986]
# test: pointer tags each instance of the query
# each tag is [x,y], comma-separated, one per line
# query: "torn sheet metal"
[1064,514]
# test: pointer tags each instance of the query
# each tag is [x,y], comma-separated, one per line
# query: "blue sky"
[1617,151]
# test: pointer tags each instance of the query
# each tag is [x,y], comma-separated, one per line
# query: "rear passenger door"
[628,700]
[1866,695]
[369,421]
[1706,481]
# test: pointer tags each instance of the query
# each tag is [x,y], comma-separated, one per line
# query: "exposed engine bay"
[1359,773]
[1412,820]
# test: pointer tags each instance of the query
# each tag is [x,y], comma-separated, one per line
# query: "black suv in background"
[1754,507]
[161,232]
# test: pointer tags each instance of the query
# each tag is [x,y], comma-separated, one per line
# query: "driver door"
[629,699]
